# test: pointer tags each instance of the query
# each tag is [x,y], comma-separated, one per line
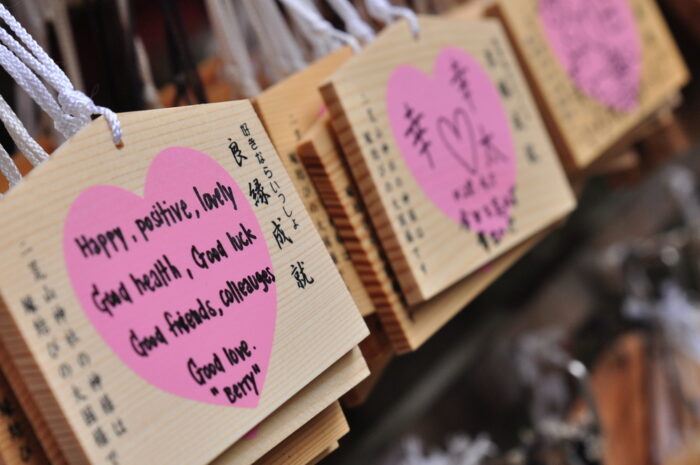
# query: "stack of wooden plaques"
[601,71]
[437,169]
[288,110]
[164,298]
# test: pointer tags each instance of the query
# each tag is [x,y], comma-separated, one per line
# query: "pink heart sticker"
[453,132]
[179,283]
[597,43]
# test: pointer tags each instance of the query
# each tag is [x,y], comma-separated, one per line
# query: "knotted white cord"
[150,92]
[22,129]
[314,25]
[280,49]
[29,82]
[66,43]
[385,12]
[354,24]
[32,14]
[238,67]
[8,168]
[24,141]
[71,109]
[287,48]
[320,45]
[272,62]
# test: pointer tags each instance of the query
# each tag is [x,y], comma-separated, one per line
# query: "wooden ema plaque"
[332,383]
[98,237]
[283,125]
[287,110]
[330,172]
[406,327]
[452,160]
[281,430]
[594,88]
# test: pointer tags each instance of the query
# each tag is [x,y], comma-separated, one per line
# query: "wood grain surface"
[446,252]
[582,128]
[33,215]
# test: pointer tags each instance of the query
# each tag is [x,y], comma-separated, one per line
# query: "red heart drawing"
[178,283]
[453,132]
[597,43]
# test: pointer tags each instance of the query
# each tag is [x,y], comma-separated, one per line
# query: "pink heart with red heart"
[597,43]
[453,132]
[178,283]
